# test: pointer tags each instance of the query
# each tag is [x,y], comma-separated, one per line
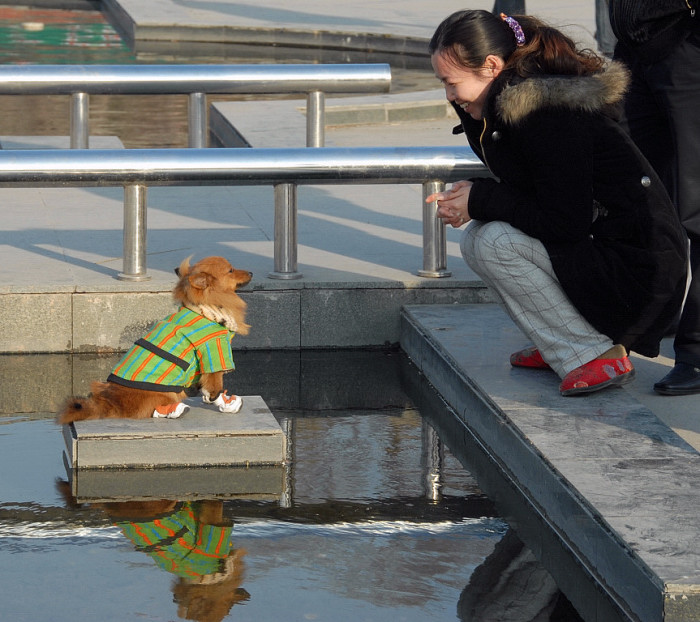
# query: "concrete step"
[608,479]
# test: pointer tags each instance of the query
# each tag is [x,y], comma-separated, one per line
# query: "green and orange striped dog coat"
[175,353]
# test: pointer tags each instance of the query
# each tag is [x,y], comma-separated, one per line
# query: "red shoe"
[529,357]
[596,375]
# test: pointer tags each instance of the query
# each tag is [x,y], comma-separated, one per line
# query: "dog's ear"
[184,267]
[201,280]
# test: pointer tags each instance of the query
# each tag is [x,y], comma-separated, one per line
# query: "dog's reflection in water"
[191,540]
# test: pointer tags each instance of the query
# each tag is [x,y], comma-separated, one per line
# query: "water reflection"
[361,566]
[32,36]
[373,517]
[191,540]
[359,536]
[58,36]
[511,586]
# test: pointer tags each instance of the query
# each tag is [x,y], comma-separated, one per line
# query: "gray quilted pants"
[518,268]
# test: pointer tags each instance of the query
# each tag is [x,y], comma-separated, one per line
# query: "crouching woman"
[574,231]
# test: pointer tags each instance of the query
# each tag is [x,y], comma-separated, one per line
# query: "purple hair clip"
[516,28]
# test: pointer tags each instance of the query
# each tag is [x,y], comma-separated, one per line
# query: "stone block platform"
[202,437]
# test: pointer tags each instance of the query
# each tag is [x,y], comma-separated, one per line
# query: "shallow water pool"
[370,518]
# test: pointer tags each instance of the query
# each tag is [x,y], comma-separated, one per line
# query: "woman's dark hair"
[469,36]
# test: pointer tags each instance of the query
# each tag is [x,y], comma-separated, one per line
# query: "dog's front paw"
[206,397]
[228,403]
[170,411]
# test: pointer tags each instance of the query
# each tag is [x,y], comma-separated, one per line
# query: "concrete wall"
[302,316]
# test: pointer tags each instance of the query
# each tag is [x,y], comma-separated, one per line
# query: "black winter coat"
[568,175]
[651,29]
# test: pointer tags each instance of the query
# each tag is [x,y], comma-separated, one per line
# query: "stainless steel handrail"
[196,81]
[136,169]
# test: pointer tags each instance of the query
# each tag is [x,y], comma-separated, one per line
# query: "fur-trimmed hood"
[592,93]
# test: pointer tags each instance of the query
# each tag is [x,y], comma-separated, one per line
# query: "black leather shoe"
[683,379]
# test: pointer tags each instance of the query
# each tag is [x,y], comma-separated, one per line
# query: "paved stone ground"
[64,241]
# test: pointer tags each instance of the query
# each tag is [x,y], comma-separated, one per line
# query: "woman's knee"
[483,243]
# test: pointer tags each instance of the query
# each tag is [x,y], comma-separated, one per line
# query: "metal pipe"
[197,81]
[434,242]
[135,227]
[285,258]
[174,79]
[315,119]
[79,121]
[231,166]
[197,120]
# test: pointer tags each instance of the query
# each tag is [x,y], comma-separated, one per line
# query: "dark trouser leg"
[662,113]
[603,31]
[687,342]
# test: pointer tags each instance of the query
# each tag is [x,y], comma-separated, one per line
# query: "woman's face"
[466,87]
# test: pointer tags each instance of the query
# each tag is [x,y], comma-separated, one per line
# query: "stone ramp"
[610,480]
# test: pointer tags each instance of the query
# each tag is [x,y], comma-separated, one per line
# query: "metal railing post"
[284,169]
[434,239]
[134,260]
[197,120]
[80,121]
[285,233]
[196,80]
[315,119]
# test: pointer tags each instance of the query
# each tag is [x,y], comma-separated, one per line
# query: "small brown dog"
[192,347]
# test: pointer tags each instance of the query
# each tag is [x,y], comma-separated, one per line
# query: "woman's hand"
[453,204]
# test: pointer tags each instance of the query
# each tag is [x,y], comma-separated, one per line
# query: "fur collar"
[215,314]
[593,93]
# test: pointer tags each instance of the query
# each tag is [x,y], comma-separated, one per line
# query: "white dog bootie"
[225,403]
[170,411]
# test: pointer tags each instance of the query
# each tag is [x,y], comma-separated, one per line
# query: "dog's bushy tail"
[80,409]
[77,409]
